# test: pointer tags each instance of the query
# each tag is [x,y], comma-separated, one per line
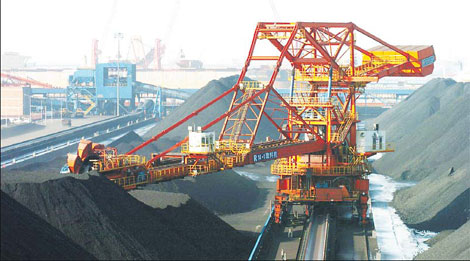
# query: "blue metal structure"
[106,79]
[95,91]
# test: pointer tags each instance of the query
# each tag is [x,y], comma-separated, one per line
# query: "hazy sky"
[217,32]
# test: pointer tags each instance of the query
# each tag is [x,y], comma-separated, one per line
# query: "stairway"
[240,116]
[343,130]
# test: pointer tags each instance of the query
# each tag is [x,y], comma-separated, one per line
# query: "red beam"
[207,126]
[196,112]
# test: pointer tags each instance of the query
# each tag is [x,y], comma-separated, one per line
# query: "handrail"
[265,228]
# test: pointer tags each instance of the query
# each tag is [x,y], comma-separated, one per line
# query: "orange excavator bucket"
[74,162]
[97,146]
[84,149]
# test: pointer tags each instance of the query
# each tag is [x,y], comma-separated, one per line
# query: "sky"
[219,33]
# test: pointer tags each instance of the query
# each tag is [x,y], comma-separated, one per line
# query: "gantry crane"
[320,155]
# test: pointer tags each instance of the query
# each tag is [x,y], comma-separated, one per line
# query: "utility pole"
[119,37]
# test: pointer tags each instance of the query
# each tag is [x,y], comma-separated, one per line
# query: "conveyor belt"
[314,245]
[19,149]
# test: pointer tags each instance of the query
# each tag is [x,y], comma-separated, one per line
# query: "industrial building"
[89,91]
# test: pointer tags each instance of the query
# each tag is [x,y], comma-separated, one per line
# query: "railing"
[119,162]
[252,85]
[309,101]
[131,181]
[389,147]
[317,74]
[159,174]
[209,166]
[342,132]
[232,146]
[282,167]
[378,62]
[185,148]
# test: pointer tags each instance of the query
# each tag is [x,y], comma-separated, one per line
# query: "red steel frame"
[312,49]
[315,52]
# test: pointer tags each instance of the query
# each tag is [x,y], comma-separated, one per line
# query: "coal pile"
[206,232]
[432,147]
[224,192]
[108,223]
[455,246]
[130,141]
[27,236]
[204,95]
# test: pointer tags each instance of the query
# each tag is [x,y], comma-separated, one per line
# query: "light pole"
[42,111]
[118,36]
[30,104]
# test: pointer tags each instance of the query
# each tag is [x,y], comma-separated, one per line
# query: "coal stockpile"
[204,95]
[130,141]
[109,223]
[430,132]
[206,232]
[224,192]
[26,236]
[455,245]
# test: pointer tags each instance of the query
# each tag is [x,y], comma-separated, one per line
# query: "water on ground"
[396,240]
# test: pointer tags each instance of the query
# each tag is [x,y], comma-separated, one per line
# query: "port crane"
[320,155]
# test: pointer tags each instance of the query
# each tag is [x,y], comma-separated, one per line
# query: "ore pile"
[430,130]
